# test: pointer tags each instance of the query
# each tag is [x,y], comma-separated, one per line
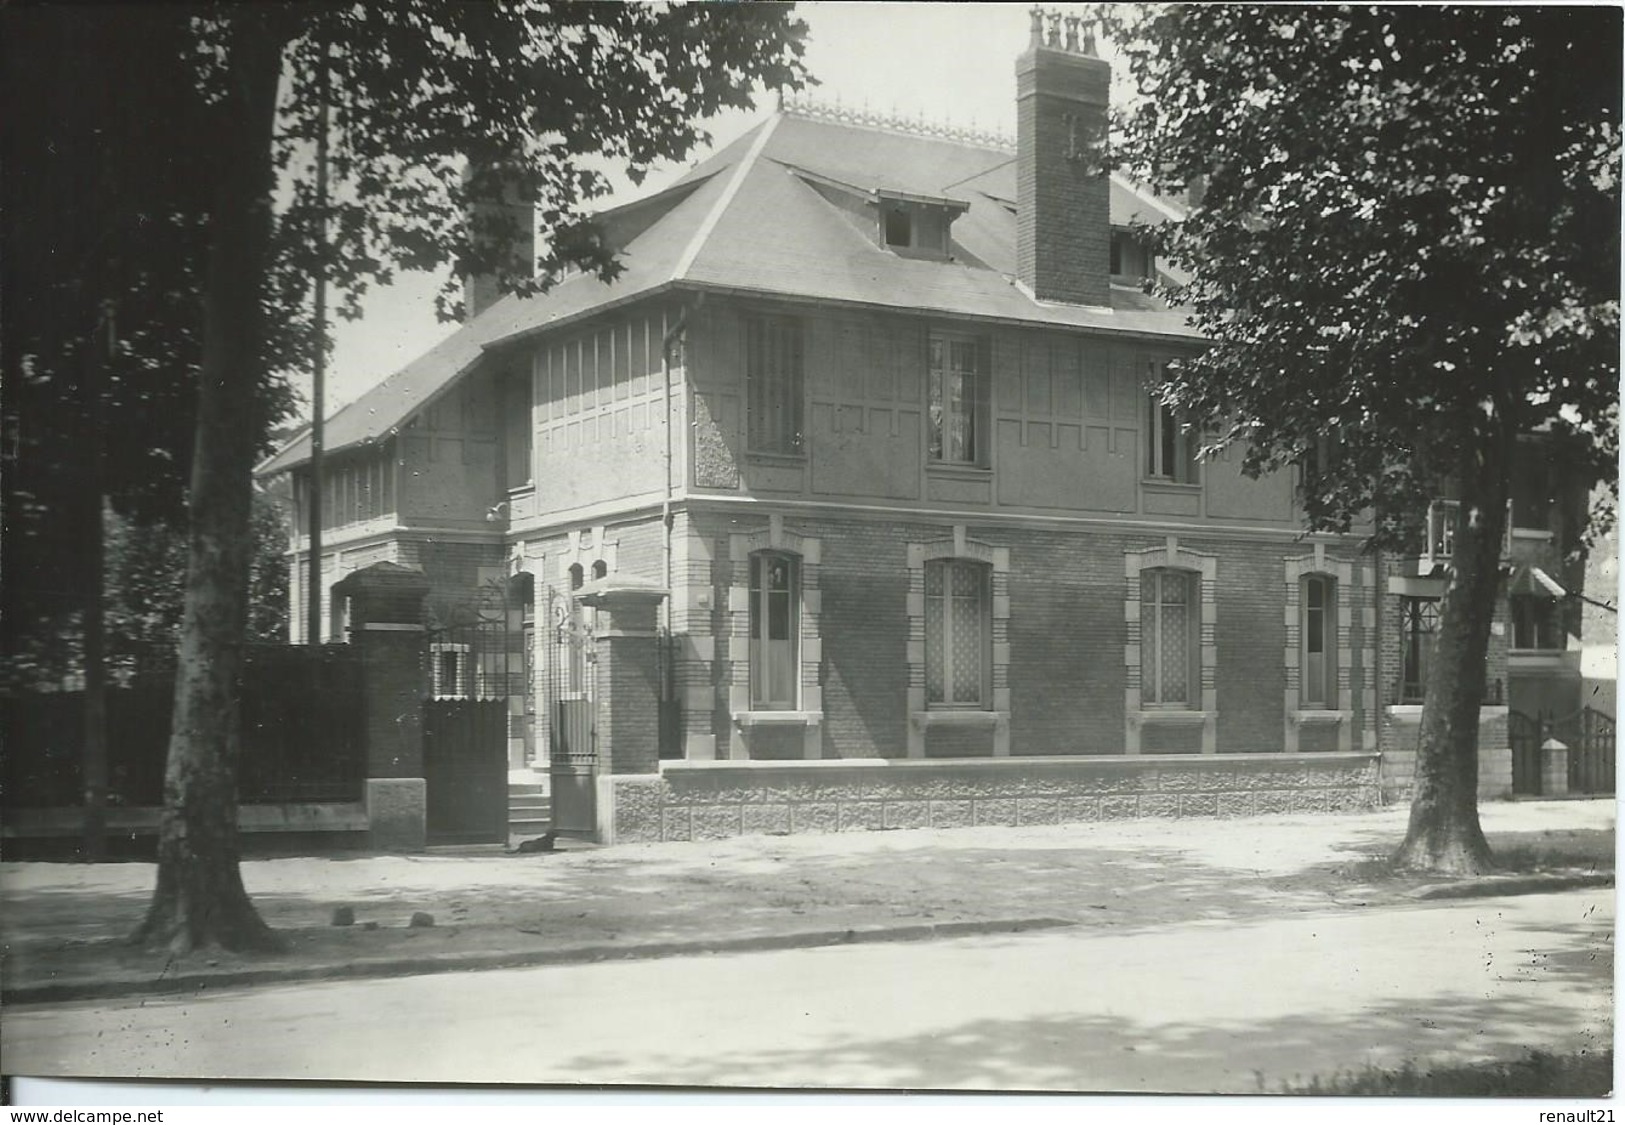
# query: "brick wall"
[1063,222]
[1251,631]
[1066,635]
[1066,643]
[454,570]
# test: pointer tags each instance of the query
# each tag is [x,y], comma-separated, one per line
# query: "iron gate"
[1591,752]
[571,691]
[471,675]
[1589,735]
[1523,732]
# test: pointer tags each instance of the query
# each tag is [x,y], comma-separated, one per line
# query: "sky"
[955,63]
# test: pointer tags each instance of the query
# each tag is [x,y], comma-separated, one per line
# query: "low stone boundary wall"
[1404,727]
[711,800]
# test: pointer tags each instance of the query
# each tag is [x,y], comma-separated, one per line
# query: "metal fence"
[1589,736]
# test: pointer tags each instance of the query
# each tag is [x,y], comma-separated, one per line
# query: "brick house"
[868,408]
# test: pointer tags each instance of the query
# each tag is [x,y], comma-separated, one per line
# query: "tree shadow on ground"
[1120,1054]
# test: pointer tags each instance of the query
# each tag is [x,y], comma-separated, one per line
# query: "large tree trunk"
[1444,833]
[199,900]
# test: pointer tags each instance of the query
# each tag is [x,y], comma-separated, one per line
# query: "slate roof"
[750,219]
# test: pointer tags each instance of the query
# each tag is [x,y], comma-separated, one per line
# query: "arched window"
[577,576]
[1317,666]
[1170,620]
[958,634]
[600,569]
[775,631]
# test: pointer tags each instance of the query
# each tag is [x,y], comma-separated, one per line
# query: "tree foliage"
[146,565]
[104,205]
[1403,245]
[1405,235]
[434,107]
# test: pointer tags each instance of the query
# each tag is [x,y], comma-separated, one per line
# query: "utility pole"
[318,390]
[98,354]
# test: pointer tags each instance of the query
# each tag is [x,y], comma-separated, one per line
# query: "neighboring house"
[869,403]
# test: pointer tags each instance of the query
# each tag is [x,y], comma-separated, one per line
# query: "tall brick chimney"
[502,227]
[1063,218]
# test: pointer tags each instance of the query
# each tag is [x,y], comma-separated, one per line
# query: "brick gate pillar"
[385,612]
[628,678]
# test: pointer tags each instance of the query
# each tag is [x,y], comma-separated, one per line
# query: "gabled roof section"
[657,231]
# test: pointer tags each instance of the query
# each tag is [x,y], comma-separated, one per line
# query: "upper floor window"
[958,634]
[1170,445]
[775,631]
[1170,623]
[1535,623]
[1320,457]
[516,429]
[1532,483]
[958,396]
[1418,625]
[773,384]
[1317,667]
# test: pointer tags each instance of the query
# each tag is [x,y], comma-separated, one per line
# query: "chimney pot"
[1055,29]
[1072,33]
[1036,38]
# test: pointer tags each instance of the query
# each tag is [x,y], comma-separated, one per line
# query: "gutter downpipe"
[673,335]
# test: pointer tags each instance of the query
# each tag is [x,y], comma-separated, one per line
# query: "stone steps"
[530,808]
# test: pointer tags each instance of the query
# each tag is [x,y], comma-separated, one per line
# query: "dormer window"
[901,222]
[914,226]
[1130,260]
[899,227]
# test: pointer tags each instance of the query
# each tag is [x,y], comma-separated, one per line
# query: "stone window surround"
[921,717]
[809,549]
[1135,716]
[1344,574]
[585,546]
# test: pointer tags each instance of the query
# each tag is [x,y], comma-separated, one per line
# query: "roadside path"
[61,923]
[1196,1007]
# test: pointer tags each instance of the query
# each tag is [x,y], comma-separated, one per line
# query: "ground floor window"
[1418,625]
[775,641]
[1317,668]
[958,634]
[1170,614]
